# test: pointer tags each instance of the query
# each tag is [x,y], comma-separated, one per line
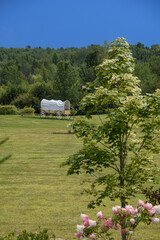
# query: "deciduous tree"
[118,153]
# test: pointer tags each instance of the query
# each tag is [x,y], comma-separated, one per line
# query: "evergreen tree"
[67,82]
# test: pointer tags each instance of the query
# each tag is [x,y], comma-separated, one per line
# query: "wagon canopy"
[55,105]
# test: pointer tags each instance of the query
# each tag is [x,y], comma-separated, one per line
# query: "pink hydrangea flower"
[155,220]
[116,227]
[140,203]
[105,226]
[134,211]
[129,207]
[86,223]
[125,210]
[132,220]
[151,211]
[92,223]
[80,228]
[157,209]
[148,206]
[92,236]
[100,215]
[114,210]
[84,217]
[109,222]
[78,235]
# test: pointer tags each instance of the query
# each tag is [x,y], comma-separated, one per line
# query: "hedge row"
[13,110]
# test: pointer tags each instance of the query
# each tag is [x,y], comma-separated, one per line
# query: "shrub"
[27,110]
[41,235]
[127,219]
[27,100]
[10,93]
[42,90]
[8,110]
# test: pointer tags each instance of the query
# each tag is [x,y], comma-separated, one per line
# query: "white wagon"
[55,107]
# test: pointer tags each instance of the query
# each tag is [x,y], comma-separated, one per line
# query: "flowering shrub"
[126,219]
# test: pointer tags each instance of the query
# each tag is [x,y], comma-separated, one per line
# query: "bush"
[8,110]
[27,110]
[10,93]
[42,235]
[27,100]
[42,90]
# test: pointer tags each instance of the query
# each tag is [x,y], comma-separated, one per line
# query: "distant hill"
[60,73]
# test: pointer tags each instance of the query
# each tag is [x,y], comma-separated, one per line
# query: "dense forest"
[28,75]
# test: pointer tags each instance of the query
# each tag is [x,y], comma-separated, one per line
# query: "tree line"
[27,75]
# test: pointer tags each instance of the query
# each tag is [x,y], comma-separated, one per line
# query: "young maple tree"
[118,152]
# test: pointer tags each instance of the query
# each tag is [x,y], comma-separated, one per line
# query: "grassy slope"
[35,191]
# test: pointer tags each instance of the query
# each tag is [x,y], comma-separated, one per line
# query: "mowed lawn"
[34,190]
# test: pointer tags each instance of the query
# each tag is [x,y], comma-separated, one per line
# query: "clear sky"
[78,23]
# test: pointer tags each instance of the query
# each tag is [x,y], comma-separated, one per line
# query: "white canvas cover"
[52,105]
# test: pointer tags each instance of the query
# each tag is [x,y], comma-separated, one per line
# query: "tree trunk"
[123,236]
[122,184]
[123,200]
[123,206]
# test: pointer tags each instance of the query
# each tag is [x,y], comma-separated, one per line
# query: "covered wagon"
[55,107]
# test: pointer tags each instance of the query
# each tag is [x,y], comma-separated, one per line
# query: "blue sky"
[78,23]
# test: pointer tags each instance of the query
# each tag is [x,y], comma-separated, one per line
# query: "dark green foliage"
[27,100]
[20,68]
[55,58]
[9,74]
[152,195]
[149,80]
[42,90]
[92,58]
[147,67]
[10,93]
[68,82]
[155,64]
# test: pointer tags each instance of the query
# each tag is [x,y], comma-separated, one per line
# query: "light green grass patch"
[35,191]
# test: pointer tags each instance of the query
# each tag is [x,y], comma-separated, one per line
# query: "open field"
[34,190]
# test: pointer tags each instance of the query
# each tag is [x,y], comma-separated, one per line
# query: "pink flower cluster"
[87,223]
[125,218]
[152,210]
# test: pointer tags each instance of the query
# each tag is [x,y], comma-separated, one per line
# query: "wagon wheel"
[43,115]
[58,115]
[67,117]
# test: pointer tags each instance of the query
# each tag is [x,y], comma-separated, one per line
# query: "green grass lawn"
[34,190]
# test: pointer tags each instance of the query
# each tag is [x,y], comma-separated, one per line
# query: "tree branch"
[100,119]
[117,169]
[141,145]
[108,148]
